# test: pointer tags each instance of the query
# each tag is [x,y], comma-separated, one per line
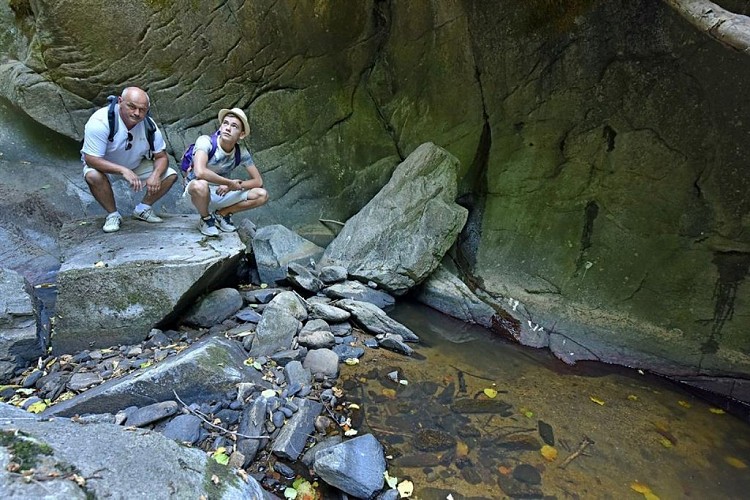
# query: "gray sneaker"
[208,227]
[112,223]
[224,222]
[147,215]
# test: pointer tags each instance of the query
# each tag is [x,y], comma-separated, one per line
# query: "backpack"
[186,164]
[114,123]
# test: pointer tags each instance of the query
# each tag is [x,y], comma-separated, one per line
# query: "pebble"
[527,474]
[284,470]
[277,418]
[32,378]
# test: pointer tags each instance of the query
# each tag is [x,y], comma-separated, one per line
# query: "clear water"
[651,438]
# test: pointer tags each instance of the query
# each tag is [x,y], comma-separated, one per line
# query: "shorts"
[217,201]
[143,171]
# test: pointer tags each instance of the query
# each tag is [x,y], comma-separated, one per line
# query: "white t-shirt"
[222,162]
[95,141]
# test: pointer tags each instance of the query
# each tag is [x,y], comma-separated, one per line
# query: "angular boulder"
[401,235]
[355,466]
[445,292]
[113,288]
[23,337]
[204,372]
[275,247]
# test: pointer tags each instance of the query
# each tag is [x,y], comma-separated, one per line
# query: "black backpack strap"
[111,118]
[237,155]
[150,131]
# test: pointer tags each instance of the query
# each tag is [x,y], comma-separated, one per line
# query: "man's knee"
[258,195]
[198,186]
[95,178]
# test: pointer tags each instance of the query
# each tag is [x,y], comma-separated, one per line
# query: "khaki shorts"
[143,171]
[217,201]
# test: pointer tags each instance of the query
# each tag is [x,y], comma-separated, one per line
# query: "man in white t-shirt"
[128,154]
[213,192]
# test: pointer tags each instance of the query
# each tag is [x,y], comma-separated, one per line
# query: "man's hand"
[135,182]
[234,185]
[153,184]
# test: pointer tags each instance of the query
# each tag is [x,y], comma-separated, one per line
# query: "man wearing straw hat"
[215,195]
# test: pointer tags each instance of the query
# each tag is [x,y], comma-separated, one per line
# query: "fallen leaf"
[462,449]
[405,488]
[633,397]
[502,469]
[353,406]
[390,480]
[37,407]
[596,400]
[290,493]
[490,393]
[351,361]
[735,462]
[549,452]
[389,393]
[99,264]
[215,479]
[665,442]
[684,404]
[717,411]
[350,433]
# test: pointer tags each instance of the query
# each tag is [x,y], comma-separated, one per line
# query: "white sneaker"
[208,227]
[224,222]
[112,223]
[147,215]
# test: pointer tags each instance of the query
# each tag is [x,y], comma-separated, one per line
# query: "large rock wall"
[603,145]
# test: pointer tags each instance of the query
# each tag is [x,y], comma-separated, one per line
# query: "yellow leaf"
[490,393]
[462,449]
[37,407]
[351,361]
[665,442]
[734,462]
[596,400]
[353,406]
[549,452]
[389,393]
[684,404]
[633,397]
[644,490]
[717,411]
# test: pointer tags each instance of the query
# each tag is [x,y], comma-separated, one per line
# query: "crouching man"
[216,196]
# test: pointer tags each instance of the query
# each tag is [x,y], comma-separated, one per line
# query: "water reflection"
[616,433]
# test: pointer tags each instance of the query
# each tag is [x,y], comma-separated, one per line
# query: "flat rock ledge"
[114,288]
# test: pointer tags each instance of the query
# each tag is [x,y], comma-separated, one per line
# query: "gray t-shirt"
[222,162]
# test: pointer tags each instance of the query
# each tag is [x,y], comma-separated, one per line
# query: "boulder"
[374,320]
[275,247]
[23,337]
[114,288]
[215,308]
[445,292]
[117,463]
[358,291]
[401,235]
[204,372]
[355,466]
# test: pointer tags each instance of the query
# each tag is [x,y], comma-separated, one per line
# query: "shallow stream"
[616,433]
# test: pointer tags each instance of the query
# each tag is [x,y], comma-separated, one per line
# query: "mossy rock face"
[24,449]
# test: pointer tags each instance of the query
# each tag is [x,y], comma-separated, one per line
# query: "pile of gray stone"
[246,374]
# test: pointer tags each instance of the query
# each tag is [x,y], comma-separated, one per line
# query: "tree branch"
[730,29]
